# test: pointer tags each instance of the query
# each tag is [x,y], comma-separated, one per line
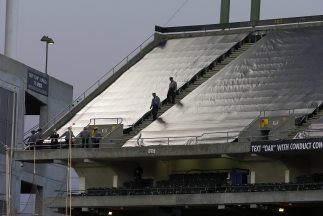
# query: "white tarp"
[284,70]
[129,97]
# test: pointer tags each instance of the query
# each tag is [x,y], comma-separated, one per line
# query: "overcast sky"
[91,36]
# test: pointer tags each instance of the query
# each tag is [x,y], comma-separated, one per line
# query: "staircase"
[307,122]
[188,88]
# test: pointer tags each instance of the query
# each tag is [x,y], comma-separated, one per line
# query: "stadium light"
[48,40]
[281,210]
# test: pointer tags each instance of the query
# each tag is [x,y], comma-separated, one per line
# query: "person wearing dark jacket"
[171,94]
[68,136]
[85,135]
[155,105]
[54,139]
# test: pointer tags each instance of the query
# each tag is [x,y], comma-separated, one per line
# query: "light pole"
[48,40]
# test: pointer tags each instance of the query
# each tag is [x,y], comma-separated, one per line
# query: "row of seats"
[268,187]
[315,177]
[194,180]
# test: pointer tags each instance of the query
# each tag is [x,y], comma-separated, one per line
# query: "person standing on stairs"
[155,105]
[171,94]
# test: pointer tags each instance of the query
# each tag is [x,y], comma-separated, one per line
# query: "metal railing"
[118,120]
[185,189]
[206,137]
[94,86]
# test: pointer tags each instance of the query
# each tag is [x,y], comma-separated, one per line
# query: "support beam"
[287,176]
[255,10]
[252,177]
[225,11]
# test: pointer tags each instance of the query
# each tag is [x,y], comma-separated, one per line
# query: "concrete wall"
[60,94]
[13,76]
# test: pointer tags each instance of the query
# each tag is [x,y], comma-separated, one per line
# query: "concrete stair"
[305,126]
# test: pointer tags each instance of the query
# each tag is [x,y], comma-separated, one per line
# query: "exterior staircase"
[318,113]
[188,88]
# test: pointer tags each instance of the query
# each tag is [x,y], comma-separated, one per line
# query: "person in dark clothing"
[32,140]
[155,105]
[39,138]
[138,174]
[54,139]
[68,136]
[85,135]
[96,138]
[171,94]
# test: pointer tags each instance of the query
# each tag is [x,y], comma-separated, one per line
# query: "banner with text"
[296,145]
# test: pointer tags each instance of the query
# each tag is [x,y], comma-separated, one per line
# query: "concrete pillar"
[252,177]
[287,178]
[115,181]
[39,200]
[82,183]
[43,117]
[10,48]
[225,11]
[255,10]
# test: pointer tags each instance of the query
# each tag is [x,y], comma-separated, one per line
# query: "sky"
[91,36]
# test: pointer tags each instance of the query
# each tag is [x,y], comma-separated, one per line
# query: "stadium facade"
[26,91]
[243,138]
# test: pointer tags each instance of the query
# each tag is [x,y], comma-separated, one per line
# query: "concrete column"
[287,178]
[252,177]
[82,183]
[115,181]
[43,117]
[255,10]
[10,48]
[225,11]
[39,200]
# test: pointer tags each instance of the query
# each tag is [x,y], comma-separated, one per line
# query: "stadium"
[244,136]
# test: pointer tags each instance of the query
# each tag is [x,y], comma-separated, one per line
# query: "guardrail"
[236,25]
[204,138]
[93,87]
[118,120]
[221,188]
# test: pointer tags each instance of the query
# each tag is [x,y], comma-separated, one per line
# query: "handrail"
[119,120]
[94,86]
[290,111]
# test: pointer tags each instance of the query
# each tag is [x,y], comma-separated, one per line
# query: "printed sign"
[296,145]
[37,82]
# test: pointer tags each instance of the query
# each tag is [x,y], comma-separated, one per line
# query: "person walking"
[171,94]
[155,105]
